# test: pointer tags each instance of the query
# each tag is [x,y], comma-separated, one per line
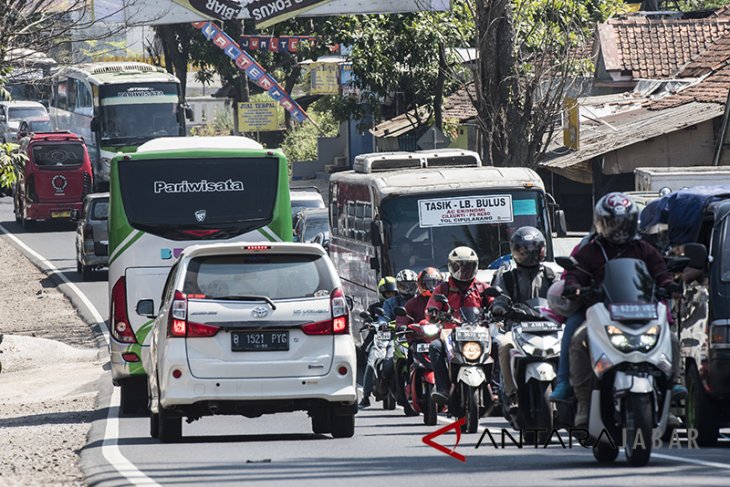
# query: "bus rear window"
[65,154]
[191,199]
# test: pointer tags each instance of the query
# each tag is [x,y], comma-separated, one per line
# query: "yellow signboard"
[324,79]
[571,123]
[258,117]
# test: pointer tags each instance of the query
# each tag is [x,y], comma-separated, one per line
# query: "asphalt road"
[281,450]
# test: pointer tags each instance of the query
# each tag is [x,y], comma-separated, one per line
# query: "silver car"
[92,236]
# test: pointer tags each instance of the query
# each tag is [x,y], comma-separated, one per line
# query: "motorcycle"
[422,379]
[631,351]
[534,364]
[401,365]
[378,354]
[468,349]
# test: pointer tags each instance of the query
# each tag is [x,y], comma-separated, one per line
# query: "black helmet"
[616,218]
[528,246]
[387,285]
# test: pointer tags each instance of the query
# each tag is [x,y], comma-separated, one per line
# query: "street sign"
[152,12]
[433,139]
[324,79]
[258,117]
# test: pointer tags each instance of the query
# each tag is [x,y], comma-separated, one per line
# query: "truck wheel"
[343,426]
[170,426]
[701,411]
[133,395]
[87,272]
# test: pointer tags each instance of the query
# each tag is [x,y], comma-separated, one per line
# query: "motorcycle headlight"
[626,343]
[430,330]
[471,350]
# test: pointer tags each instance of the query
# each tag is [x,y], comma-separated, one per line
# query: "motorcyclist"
[529,279]
[616,221]
[387,288]
[427,281]
[462,289]
[407,284]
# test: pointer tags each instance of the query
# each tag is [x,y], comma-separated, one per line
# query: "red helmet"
[427,280]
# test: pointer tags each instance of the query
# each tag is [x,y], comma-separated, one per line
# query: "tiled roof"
[657,49]
[459,106]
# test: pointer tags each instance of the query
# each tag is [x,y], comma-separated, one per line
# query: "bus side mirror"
[94,124]
[374,264]
[2,118]
[189,112]
[561,228]
[376,233]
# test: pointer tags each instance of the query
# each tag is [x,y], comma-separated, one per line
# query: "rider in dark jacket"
[427,281]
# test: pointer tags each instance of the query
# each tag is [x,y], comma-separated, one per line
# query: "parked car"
[251,330]
[92,235]
[303,198]
[310,222]
[55,179]
[14,112]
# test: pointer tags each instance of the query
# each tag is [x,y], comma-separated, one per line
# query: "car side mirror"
[365,315]
[350,302]
[22,134]
[566,263]
[94,124]
[561,227]
[440,298]
[75,215]
[146,308]
[376,233]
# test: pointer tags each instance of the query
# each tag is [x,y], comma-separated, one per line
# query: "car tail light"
[121,330]
[178,324]
[338,325]
[30,192]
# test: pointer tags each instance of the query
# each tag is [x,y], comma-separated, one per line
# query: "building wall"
[693,146]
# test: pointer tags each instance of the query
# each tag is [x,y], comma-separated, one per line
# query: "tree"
[528,59]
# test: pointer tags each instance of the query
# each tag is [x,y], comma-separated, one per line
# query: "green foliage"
[300,142]
[12,163]
[220,124]
[690,5]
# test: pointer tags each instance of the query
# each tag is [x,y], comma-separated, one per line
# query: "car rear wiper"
[248,298]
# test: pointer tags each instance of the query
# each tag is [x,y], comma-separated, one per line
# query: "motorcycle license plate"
[422,347]
[537,326]
[384,335]
[470,336]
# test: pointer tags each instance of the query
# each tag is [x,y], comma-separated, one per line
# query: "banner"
[275,44]
[269,12]
[324,79]
[253,70]
[217,9]
[258,117]
[347,79]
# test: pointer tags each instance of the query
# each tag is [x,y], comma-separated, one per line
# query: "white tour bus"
[407,210]
[116,107]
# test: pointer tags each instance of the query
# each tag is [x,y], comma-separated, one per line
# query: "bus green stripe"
[126,246]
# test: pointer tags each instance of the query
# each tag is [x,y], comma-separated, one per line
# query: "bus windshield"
[211,198]
[420,230]
[134,113]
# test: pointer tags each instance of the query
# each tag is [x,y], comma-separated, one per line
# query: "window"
[84,103]
[71,97]
[275,276]
[59,94]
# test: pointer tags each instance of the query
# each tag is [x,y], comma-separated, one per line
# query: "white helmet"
[407,283]
[463,264]
[559,304]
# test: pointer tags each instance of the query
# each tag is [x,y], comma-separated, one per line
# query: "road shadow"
[65,417]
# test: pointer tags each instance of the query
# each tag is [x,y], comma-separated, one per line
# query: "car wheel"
[321,424]
[169,426]
[87,272]
[343,426]
[154,425]
[133,396]
[79,270]
[701,412]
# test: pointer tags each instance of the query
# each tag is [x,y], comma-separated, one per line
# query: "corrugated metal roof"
[622,130]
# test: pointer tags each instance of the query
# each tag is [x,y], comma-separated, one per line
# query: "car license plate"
[470,335]
[259,341]
[538,326]
[422,347]
[384,335]
[61,214]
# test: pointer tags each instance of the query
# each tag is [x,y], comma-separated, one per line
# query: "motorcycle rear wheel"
[638,421]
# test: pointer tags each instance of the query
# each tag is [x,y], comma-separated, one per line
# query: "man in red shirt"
[463,290]
[427,281]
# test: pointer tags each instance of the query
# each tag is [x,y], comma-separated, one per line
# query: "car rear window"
[62,154]
[276,276]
